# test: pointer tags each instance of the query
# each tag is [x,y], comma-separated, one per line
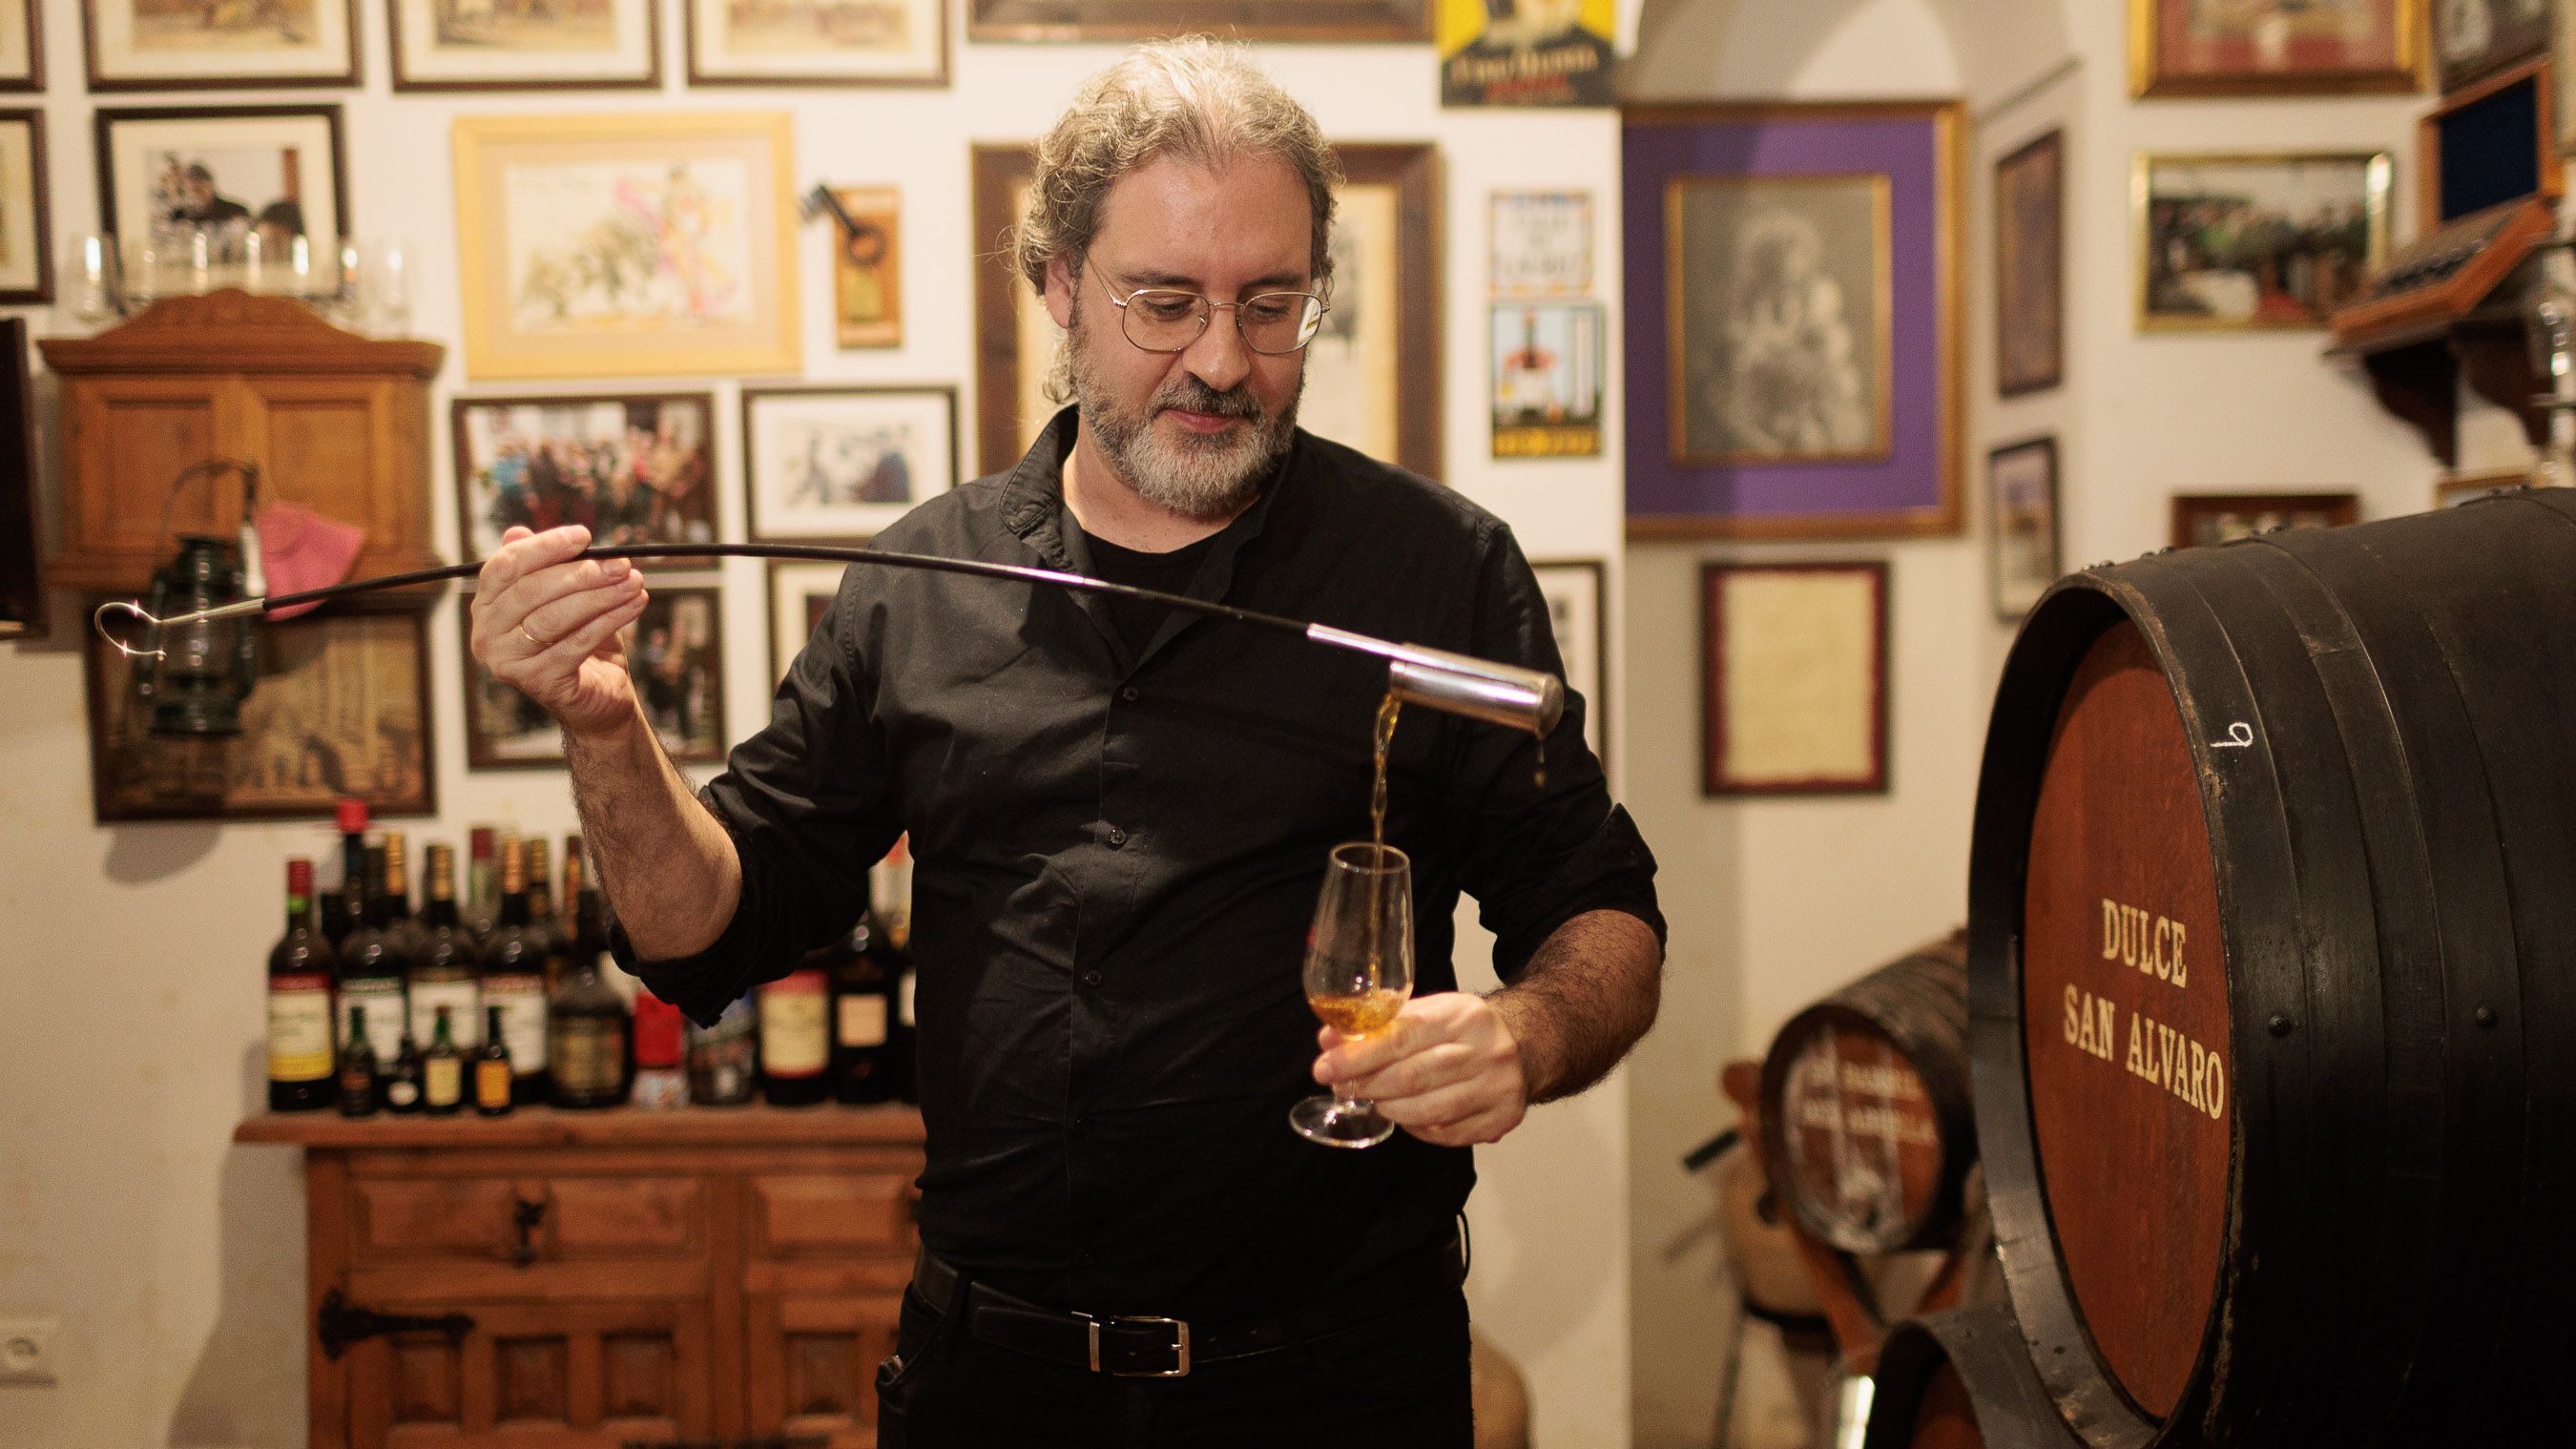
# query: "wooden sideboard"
[603,1278]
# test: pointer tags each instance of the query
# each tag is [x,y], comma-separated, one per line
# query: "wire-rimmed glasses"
[1165,319]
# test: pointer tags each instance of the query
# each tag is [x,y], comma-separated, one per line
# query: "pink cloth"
[301,549]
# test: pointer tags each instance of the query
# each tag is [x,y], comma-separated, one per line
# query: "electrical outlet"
[27,1350]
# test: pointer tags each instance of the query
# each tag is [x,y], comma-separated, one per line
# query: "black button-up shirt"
[1117,857]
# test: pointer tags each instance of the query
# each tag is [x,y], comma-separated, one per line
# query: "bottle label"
[589,1056]
[793,1041]
[402,1091]
[863,1021]
[442,1081]
[491,1083]
[464,1003]
[300,1047]
[379,1002]
[903,1000]
[522,1000]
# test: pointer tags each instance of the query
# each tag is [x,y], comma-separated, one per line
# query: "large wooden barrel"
[1866,1129]
[1961,1380]
[2272,936]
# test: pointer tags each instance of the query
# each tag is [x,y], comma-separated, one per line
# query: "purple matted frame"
[1914,489]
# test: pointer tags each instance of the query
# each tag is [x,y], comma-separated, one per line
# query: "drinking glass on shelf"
[89,303]
[1359,972]
[147,261]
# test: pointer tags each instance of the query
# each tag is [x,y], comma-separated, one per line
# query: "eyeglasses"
[1159,319]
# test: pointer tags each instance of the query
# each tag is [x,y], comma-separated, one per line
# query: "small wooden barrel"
[2272,930]
[1961,1380]
[1866,1128]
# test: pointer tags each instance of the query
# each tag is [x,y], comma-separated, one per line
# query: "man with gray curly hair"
[1118,818]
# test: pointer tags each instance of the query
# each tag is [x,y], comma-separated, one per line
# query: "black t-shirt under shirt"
[1167,573]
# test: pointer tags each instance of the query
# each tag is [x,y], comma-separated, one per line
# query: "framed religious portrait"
[2240,243]
[1333,20]
[1793,344]
[2022,553]
[603,245]
[674,653]
[1526,52]
[1541,243]
[26,230]
[630,467]
[191,45]
[1373,373]
[2462,488]
[817,42]
[481,45]
[800,593]
[2030,267]
[867,266]
[1578,611]
[272,170]
[1793,678]
[1547,379]
[22,46]
[838,464]
[2275,47]
[340,707]
[2201,520]
[2473,39]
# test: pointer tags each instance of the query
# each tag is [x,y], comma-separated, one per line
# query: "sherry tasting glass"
[1359,970]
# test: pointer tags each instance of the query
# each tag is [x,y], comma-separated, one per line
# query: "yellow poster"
[1525,52]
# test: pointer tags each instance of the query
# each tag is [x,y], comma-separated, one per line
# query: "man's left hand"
[1448,1070]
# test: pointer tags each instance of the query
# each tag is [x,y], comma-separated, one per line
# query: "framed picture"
[2030,267]
[1527,53]
[1547,379]
[22,46]
[188,45]
[22,585]
[2562,55]
[1578,610]
[675,653]
[1372,374]
[276,170]
[2452,492]
[2487,145]
[2473,39]
[477,45]
[817,42]
[26,227]
[2201,520]
[2022,555]
[341,708]
[2237,243]
[630,467]
[867,268]
[800,593]
[627,246]
[1541,243]
[1059,20]
[1794,678]
[838,464]
[2274,47]
[1792,336]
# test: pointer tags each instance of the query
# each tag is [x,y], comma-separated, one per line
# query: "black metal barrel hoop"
[1958,1378]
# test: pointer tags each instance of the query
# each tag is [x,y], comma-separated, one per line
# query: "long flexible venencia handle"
[1506,694]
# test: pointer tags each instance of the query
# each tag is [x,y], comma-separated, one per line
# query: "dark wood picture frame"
[33,78]
[754,397]
[484,694]
[650,78]
[1717,698]
[784,641]
[1595,688]
[37,205]
[2049,530]
[2291,510]
[1412,169]
[211,80]
[2505,43]
[461,459]
[2030,267]
[1317,20]
[936,79]
[2436,128]
[105,122]
[22,582]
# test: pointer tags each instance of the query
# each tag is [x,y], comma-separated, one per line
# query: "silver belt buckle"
[1180,1347]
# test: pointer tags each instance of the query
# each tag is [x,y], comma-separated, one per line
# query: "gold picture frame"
[2166,299]
[542,212]
[2242,65]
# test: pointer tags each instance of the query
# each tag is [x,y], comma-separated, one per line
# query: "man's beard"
[1195,477]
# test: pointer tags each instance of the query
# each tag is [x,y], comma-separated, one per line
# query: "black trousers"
[1399,1381]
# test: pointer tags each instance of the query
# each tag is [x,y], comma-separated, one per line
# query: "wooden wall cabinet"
[336,422]
[587,1280]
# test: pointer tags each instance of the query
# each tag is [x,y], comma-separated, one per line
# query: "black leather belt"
[1141,1346]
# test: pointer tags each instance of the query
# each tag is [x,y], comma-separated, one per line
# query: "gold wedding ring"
[533,639]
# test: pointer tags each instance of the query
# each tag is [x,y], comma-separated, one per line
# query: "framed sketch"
[2275,47]
[1792,336]
[341,708]
[274,170]
[2467,487]
[1547,379]
[2234,243]
[817,42]
[1794,678]
[1527,52]
[22,45]
[190,45]
[480,45]
[800,593]
[601,245]
[838,464]
[1060,20]
[675,653]
[26,228]
[1578,611]
[2487,145]
[630,467]
[1373,373]
[2022,554]
[1541,243]
[2030,267]
[2201,520]
[2473,39]
[867,268]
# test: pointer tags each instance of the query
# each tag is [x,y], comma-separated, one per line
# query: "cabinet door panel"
[814,1363]
[833,1213]
[142,433]
[552,1376]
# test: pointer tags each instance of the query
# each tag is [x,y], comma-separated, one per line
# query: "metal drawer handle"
[341,1323]
[526,1216]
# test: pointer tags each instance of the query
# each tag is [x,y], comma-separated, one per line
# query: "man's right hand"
[548,627]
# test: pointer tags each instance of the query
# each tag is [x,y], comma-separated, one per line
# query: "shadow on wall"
[151,854]
[247,1385]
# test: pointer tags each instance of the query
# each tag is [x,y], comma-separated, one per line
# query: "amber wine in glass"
[1359,971]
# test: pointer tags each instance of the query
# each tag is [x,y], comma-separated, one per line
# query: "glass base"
[1334,1123]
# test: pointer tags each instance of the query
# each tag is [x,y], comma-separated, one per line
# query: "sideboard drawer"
[839,1213]
[532,1219]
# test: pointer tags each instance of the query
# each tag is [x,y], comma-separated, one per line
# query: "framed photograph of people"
[2022,557]
[1541,243]
[817,42]
[1578,611]
[1794,678]
[1335,20]
[22,46]
[2274,47]
[192,45]
[2030,267]
[837,464]
[674,653]
[495,45]
[2201,520]
[867,268]
[1372,374]
[26,230]
[1792,335]
[604,245]
[1547,379]
[273,171]
[799,594]
[2473,39]
[630,467]
[2237,243]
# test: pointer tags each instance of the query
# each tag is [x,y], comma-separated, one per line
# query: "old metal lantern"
[196,682]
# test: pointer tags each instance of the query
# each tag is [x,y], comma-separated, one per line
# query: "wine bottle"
[442,1071]
[351,816]
[796,1035]
[890,903]
[494,1084]
[586,1020]
[300,971]
[373,972]
[357,1071]
[445,972]
[514,962]
[722,1064]
[541,907]
[403,1082]
[661,1076]
[406,929]
[482,885]
[862,1011]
